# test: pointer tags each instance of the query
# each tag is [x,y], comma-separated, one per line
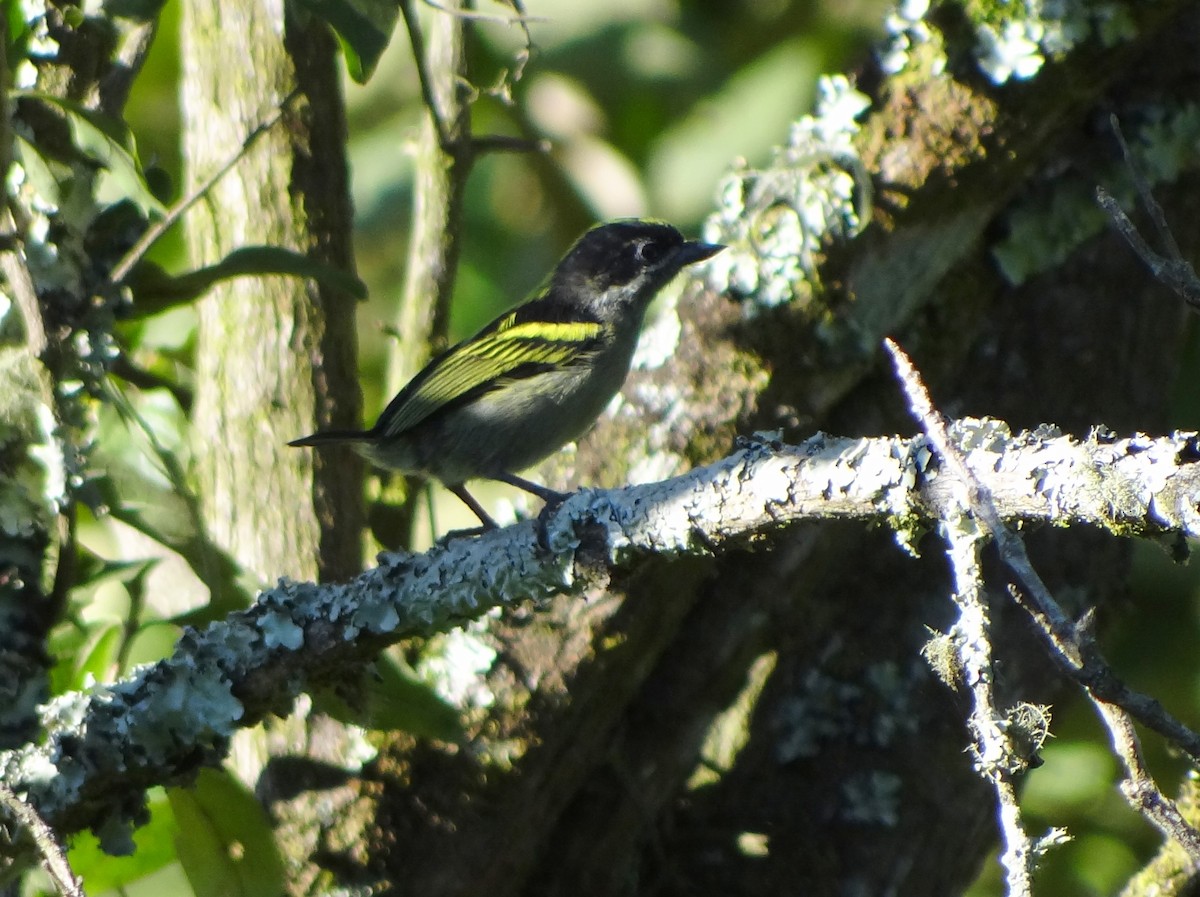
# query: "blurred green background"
[647,103]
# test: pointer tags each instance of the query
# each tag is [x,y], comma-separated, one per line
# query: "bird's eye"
[649,252]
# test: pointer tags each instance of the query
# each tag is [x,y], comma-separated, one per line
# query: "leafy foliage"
[644,106]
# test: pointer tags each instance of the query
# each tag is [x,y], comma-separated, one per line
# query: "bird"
[535,378]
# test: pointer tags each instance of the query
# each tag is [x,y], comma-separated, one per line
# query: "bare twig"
[1076,654]
[522,18]
[1176,273]
[1157,215]
[1139,788]
[994,755]
[449,123]
[501,143]
[54,857]
[1172,270]
[139,249]
[508,78]
[425,77]
[1071,645]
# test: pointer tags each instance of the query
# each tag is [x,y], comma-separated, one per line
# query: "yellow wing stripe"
[488,358]
[558,331]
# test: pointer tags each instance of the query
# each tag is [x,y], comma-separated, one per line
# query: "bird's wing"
[506,350]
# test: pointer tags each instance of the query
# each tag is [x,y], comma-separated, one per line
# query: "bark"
[276,358]
[64,323]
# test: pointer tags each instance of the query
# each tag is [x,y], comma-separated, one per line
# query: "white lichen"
[456,665]
[776,219]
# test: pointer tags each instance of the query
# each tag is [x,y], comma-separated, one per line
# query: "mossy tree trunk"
[277,355]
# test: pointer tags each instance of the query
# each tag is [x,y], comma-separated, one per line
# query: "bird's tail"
[333,437]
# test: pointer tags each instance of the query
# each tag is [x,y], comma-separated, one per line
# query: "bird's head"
[625,263]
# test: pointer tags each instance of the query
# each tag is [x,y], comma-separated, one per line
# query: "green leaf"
[154,290]
[750,110]
[44,176]
[227,586]
[225,841]
[113,571]
[99,656]
[363,28]
[17,34]
[159,503]
[166,517]
[109,143]
[394,698]
[155,851]
[153,642]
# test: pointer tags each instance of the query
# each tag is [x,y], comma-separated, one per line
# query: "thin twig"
[521,18]
[425,77]
[500,143]
[1019,851]
[1177,274]
[1072,646]
[1075,652]
[503,89]
[1139,788]
[1147,195]
[453,139]
[139,249]
[54,857]
[994,755]
[1172,270]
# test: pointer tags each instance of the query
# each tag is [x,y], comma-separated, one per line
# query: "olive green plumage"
[535,378]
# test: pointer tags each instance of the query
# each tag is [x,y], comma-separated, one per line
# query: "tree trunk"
[276,357]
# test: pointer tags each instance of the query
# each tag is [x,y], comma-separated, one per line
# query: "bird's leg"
[549,496]
[467,499]
[552,499]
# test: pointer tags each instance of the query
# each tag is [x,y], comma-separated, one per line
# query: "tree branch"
[54,855]
[1172,270]
[164,723]
[1071,645]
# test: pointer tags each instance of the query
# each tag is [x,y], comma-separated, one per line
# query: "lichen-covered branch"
[171,718]
[54,854]
[55,356]
[1070,644]
[993,748]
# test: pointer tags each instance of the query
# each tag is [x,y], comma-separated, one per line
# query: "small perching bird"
[535,378]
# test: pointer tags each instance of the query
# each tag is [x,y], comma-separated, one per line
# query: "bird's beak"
[695,251]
